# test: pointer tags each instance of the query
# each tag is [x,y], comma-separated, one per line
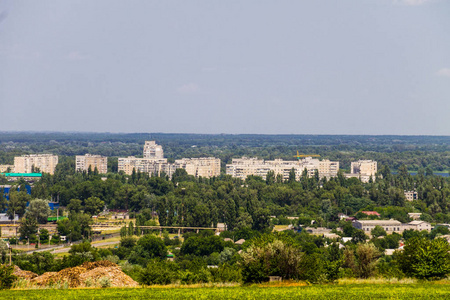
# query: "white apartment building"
[83,162]
[144,165]
[44,162]
[363,169]
[199,167]
[5,168]
[153,150]
[243,167]
[411,195]
[154,163]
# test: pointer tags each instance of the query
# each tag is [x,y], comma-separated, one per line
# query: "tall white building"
[243,167]
[83,162]
[154,163]
[363,169]
[29,163]
[199,167]
[153,150]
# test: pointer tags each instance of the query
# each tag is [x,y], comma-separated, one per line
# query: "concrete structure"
[411,195]
[363,169]
[200,167]
[6,168]
[145,165]
[243,167]
[391,225]
[154,163]
[414,216]
[83,162]
[418,225]
[153,150]
[29,163]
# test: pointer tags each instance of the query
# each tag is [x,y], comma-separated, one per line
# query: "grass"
[337,291]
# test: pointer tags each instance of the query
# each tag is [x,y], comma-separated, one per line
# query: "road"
[64,248]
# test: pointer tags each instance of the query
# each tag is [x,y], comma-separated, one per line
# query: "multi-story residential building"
[411,195]
[153,150]
[144,165]
[199,167]
[363,169]
[83,162]
[243,167]
[154,163]
[6,168]
[30,163]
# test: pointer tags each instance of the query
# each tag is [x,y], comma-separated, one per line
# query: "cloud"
[75,55]
[189,88]
[411,2]
[445,72]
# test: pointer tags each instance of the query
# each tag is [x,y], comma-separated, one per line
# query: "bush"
[425,259]
[226,273]
[7,277]
[105,282]
[159,272]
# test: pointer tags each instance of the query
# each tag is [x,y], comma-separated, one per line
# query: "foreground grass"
[340,291]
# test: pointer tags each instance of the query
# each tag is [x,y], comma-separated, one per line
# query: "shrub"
[7,277]
[425,259]
[105,282]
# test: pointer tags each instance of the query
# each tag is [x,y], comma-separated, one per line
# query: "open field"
[339,291]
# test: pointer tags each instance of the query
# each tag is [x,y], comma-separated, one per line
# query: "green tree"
[75,206]
[148,247]
[17,203]
[93,206]
[424,258]
[270,258]
[38,209]
[28,229]
[7,277]
[378,231]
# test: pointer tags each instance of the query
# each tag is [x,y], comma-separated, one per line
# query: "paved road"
[65,248]
[95,245]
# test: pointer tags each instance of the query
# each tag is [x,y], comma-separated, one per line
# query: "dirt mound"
[102,263]
[46,279]
[115,275]
[24,274]
[88,274]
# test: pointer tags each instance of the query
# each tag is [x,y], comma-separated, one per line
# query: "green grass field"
[340,291]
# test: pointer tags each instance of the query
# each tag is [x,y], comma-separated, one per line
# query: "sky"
[253,66]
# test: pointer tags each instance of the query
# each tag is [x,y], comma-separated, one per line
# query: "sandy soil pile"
[24,274]
[88,274]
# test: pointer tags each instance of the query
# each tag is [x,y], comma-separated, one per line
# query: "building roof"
[379,222]
[417,222]
[371,213]
[21,174]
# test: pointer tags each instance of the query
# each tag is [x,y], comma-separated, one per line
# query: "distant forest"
[416,152]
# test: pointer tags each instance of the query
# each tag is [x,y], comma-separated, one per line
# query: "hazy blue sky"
[253,66]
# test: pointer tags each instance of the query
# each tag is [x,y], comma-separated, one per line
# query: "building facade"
[6,168]
[199,167]
[30,163]
[363,169]
[411,195]
[390,226]
[154,163]
[153,150]
[83,162]
[243,167]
